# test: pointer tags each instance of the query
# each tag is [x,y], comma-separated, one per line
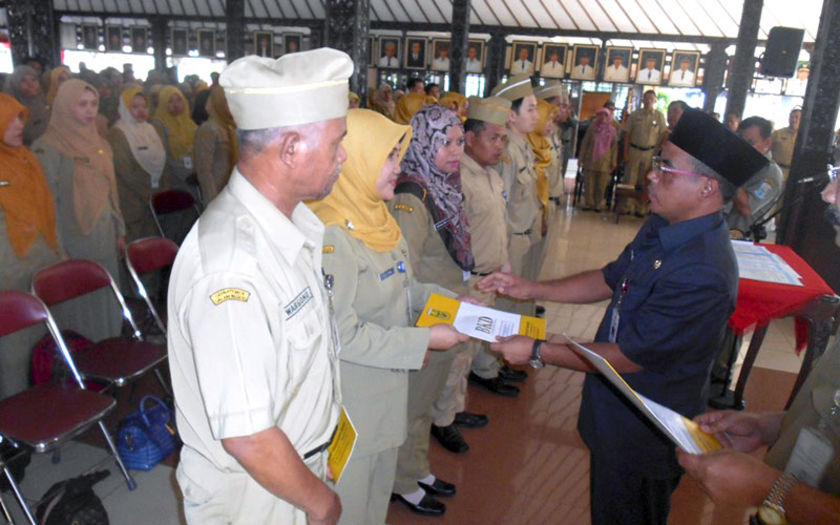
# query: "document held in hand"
[479,322]
[684,432]
[342,445]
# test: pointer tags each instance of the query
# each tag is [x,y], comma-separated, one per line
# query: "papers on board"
[759,264]
[480,322]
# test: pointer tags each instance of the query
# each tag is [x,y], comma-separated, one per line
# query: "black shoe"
[438,488]
[470,420]
[450,438]
[539,311]
[496,385]
[511,374]
[586,208]
[428,506]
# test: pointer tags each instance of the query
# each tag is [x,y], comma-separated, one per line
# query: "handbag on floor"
[147,436]
[73,502]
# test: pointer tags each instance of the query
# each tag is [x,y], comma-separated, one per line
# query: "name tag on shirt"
[387,273]
[188,162]
[296,304]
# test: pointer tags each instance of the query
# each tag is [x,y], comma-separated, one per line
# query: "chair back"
[22,310]
[175,203]
[74,278]
[145,256]
[170,201]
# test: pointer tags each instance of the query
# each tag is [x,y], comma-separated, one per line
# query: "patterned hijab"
[93,162]
[26,200]
[430,126]
[181,127]
[142,138]
[370,139]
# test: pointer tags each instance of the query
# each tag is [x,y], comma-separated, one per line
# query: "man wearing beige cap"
[557,94]
[251,351]
[484,205]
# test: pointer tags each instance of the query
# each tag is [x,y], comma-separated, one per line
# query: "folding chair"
[116,360]
[174,204]
[49,414]
[145,256]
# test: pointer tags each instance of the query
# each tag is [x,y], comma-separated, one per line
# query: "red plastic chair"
[49,414]
[117,360]
[168,202]
[145,256]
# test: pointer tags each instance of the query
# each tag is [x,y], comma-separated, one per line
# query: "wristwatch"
[772,510]
[536,360]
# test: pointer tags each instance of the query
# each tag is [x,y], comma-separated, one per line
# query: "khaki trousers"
[365,488]
[635,173]
[595,186]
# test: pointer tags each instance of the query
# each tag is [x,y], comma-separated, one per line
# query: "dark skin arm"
[517,351]
[585,287]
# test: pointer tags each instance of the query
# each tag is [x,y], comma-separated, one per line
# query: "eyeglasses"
[658,164]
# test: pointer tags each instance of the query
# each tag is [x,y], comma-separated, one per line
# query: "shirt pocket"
[304,329]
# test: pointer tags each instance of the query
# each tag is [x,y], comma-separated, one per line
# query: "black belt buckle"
[526,232]
[321,448]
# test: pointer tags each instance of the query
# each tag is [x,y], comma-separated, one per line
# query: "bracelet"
[772,509]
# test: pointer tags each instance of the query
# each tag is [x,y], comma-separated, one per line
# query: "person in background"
[428,207]
[645,130]
[199,112]
[23,84]
[732,121]
[139,163]
[79,166]
[409,104]
[376,299]
[177,133]
[53,80]
[599,158]
[433,90]
[353,100]
[382,100]
[783,141]
[456,102]
[28,234]
[675,111]
[216,146]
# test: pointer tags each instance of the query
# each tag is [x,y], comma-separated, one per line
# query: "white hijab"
[144,142]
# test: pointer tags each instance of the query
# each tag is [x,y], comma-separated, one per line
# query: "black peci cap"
[713,144]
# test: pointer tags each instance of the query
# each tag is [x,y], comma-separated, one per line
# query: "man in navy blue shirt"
[672,290]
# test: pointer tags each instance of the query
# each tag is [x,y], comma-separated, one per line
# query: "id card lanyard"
[616,314]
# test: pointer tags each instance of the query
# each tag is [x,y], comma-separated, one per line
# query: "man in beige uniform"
[644,131]
[783,141]
[484,205]
[253,360]
[556,93]
[524,211]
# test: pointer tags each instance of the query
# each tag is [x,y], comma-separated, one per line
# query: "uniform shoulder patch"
[404,207]
[230,294]
[328,248]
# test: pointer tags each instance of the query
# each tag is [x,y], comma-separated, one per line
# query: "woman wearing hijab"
[139,162]
[375,298]
[382,100]
[55,78]
[28,236]
[79,166]
[428,209]
[457,103]
[408,105]
[216,147]
[177,132]
[599,157]
[546,166]
[23,84]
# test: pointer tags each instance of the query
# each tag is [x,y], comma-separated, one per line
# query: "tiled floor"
[528,465]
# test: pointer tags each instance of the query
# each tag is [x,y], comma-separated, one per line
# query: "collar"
[516,140]
[287,236]
[673,236]
[471,165]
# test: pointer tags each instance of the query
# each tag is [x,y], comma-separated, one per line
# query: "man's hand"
[730,477]
[444,337]
[507,284]
[516,349]
[471,300]
[329,512]
[741,431]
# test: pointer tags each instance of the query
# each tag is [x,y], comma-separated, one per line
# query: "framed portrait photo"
[441,54]
[553,60]
[584,62]
[206,42]
[139,40]
[523,58]
[415,53]
[90,36]
[180,41]
[291,44]
[684,69]
[113,38]
[649,71]
[389,52]
[475,56]
[618,64]
[264,43]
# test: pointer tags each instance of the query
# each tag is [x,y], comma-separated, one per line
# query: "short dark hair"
[474,125]
[430,86]
[648,91]
[765,127]
[516,104]
[413,82]
[683,106]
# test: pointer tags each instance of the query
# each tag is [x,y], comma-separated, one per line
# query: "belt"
[321,448]
[480,274]
[641,148]
[526,232]
[785,166]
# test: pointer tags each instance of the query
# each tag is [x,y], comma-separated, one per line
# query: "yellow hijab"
[27,200]
[543,150]
[453,98]
[181,127]
[218,110]
[53,79]
[93,162]
[409,104]
[354,204]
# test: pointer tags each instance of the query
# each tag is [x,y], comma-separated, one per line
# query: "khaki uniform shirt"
[556,182]
[249,346]
[520,180]
[646,129]
[782,148]
[484,205]
[212,151]
[763,190]
[377,300]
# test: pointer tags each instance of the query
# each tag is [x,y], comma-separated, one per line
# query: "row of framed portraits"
[116,38]
[416,52]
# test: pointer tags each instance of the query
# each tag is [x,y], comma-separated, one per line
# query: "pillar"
[160,36]
[713,77]
[235,29]
[33,31]
[346,28]
[494,67]
[460,42]
[744,63]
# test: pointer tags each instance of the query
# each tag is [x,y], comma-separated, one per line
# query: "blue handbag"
[147,436]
